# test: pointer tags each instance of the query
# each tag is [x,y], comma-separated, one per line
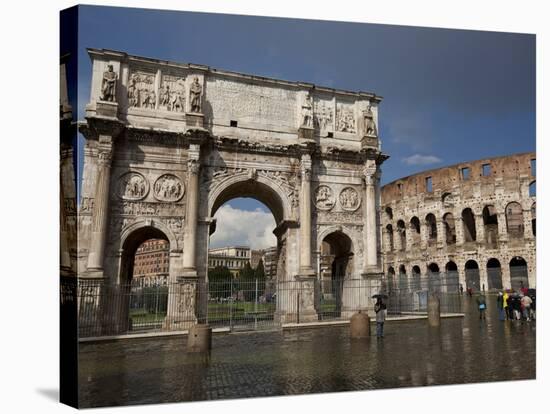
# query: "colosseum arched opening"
[402,278]
[514,220]
[519,273]
[494,274]
[431,225]
[415,231]
[402,235]
[469,225]
[416,278]
[390,280]
[434,278]
[452,282]
[450,228]
[490,224]
[389,237]
[471,270]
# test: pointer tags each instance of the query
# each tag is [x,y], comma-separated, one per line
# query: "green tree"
[246,282]
[219,282]
[259,274]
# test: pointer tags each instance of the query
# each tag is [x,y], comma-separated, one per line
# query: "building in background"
[269,258]
[232,257]
[473,222]
[151,263]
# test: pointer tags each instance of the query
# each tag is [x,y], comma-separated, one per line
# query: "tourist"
[482,305]
[500,306]
[380,309]
[523,289]
[516,306]
[526,303]
[510,302]
[533,296]
[505,304]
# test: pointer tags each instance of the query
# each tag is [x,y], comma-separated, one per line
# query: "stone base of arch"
[182,304]
[296,300]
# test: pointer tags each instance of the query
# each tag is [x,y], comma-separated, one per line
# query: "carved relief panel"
[349,199]
[324,197]
[169,188]
[323,115]
[141,90]
[172,93]
[132,186]
[345,118]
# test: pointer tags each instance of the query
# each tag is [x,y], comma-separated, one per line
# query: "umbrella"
[380,295]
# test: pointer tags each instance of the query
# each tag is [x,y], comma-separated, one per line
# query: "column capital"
[369,172]
[193,156]
[105,150]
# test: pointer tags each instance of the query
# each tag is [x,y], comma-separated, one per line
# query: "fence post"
[256,307]
[231,304]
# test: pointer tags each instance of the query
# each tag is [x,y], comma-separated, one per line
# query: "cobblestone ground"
[154,370]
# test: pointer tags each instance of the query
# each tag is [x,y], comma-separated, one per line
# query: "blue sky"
[449,95]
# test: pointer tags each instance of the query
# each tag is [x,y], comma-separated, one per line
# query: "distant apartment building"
[151,262]
[232,257]
[235,258]
[269,258]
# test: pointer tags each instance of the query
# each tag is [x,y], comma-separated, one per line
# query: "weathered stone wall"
[506,180]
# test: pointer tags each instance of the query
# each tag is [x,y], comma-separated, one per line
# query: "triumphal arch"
[167,144]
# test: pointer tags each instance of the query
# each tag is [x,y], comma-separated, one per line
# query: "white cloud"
[241,227]
[418,159]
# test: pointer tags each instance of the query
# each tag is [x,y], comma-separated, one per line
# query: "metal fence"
[250,305]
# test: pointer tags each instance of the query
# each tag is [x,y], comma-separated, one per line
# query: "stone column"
[459,228]
[441,236]
[397,239]
[192,211]
[502,229]
[423,234]
[505,274]
[483,277]
[101,205]
[305,281]
[480,228]
[305,217]
[370,233]
[409,235]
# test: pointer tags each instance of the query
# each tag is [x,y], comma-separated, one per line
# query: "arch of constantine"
[167,144]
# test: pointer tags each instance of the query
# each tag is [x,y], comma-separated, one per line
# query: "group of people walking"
[517,305]
[511,305]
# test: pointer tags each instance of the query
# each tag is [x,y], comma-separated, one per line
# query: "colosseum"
[472,222]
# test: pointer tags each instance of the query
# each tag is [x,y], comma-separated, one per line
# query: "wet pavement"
[462,350]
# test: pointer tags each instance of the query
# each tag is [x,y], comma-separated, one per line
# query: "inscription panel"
[252,104]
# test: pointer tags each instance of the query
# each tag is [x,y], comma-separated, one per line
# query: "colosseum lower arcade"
[475,221]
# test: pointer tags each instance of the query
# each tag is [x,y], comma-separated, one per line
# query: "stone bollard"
[199,338]
[434,311]
[360,325]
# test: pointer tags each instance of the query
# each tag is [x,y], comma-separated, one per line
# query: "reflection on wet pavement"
[462,350]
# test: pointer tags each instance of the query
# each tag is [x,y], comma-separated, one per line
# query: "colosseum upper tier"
[475,219]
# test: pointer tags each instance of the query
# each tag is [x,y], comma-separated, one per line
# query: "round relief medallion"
[324,198]
[168,187]
[132,186]
[349,199]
